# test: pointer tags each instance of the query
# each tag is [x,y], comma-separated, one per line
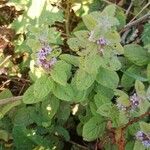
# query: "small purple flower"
[146,143]
[48,64]
[102,41]
[144,138]
[134,100]
[42,58]
[139,135]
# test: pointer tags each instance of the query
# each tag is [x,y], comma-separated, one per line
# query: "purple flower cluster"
[101,41]
[134,101]
[144,138]
[42,60]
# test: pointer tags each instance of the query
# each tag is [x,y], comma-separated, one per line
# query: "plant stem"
[78,145]
[67,23]
[136,119]
[10,100]
[141,11]
[129,8]
[5,60]
[108,2]
[130,24]
[120,132]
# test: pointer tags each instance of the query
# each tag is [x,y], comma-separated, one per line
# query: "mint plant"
[84,79]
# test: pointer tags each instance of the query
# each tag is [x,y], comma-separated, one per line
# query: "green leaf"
[148,93]
[90,64]
[123,98]
[61,72]
[107,78]
[43,86]
[105,91]
[4,135]
[5,94]
[83,79]
[144,106]
[106,22]
[65,93]
[145,34]
[114,63]
[145,127]
[138,145]
[21,140]
[136,54]
[100,99]
[113,37]
[93,128]
[28,139]
[83,38]
[105,109]
[70,59]
[50,18]
[123,119]
[93,108]
[75,44]
[140,88]
[25,116]
[49,108]
[33,44]
[144,103]
[64,112]
[110,146]
[62,132]
[132,129]
[129,145]
[148,72]
[82,35]
[54,36]
[79,95]
[109,10]
[6,108]
[130,75]
[89,21]
[29,98]
[118,48]
[121,16]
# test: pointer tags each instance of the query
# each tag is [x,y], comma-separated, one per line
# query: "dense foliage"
[74,75]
